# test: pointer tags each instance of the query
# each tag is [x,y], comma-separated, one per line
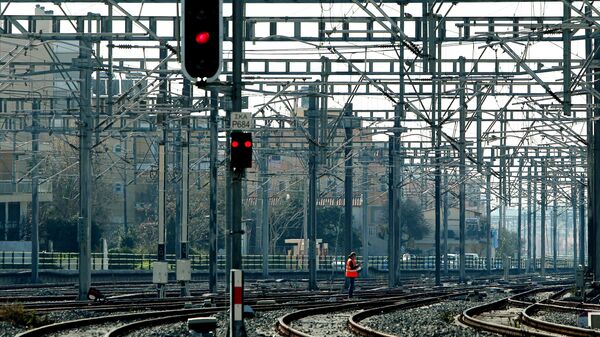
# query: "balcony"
[21,191]
[23,186]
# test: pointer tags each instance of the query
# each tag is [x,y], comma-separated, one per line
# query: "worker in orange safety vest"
[352,269]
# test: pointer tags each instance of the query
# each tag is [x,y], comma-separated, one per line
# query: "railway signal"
[202,27]
[241,150]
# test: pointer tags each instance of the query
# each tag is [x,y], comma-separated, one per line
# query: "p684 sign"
[241,121]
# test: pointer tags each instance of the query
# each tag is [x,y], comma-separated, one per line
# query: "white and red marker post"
[236,304]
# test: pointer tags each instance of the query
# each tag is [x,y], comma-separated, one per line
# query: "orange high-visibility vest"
[351,273]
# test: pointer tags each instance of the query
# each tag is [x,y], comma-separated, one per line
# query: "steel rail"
[284,323]
[52,328]
[128,328]
[575,305]
[144,319]
[176,302]
[468,317]
[527,319]
[179,314]
[518,300]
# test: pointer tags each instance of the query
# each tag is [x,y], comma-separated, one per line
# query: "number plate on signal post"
[241,121]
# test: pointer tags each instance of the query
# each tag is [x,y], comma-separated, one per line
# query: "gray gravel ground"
[262,325]
[543,296]
[69,315]
[564,318]
[330,325]
[9,330]
[434,320]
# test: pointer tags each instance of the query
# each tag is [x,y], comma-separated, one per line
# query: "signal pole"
[237,321]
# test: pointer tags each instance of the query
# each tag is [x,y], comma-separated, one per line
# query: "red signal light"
[240,150]
[202,37]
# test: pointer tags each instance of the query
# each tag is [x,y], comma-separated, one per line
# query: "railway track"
[527,317]
[373,301]
[144,301]
[123,323]
[521,315]
[91,323]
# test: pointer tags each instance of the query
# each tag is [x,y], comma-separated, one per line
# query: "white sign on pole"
[241,121]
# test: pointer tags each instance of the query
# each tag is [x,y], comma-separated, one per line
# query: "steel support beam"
[594,190]
[543,220]
[313,118]
[445,222]
[264,209]
[554,226]
[365,213]
[488,212]
[213,168]
[462,175]
[582,221]
[85,170]
[185,184]
[519,216]
[534,221]
[35,202]
[529,238]
[574,196]
[348,191]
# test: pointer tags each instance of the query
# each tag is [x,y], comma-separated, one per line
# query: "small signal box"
[241,150]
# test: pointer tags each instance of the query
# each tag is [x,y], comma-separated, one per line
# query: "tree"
[55,229]
[58,219]
[145,232]
[508,244]
[414,226]
[286,219]
[330,229]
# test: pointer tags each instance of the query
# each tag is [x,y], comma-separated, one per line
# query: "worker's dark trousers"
[350,281]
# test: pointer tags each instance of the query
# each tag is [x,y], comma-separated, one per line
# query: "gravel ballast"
[9,330]
[564,318]
[433,320]
[262,325]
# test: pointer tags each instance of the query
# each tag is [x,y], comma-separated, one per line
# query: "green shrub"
[18,315]
[447,316]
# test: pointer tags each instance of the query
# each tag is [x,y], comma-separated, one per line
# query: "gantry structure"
[502,94]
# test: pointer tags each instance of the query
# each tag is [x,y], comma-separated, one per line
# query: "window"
[451,234]
[57,122]
[118,188]
[144,125]
[117,148]
[372,230]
